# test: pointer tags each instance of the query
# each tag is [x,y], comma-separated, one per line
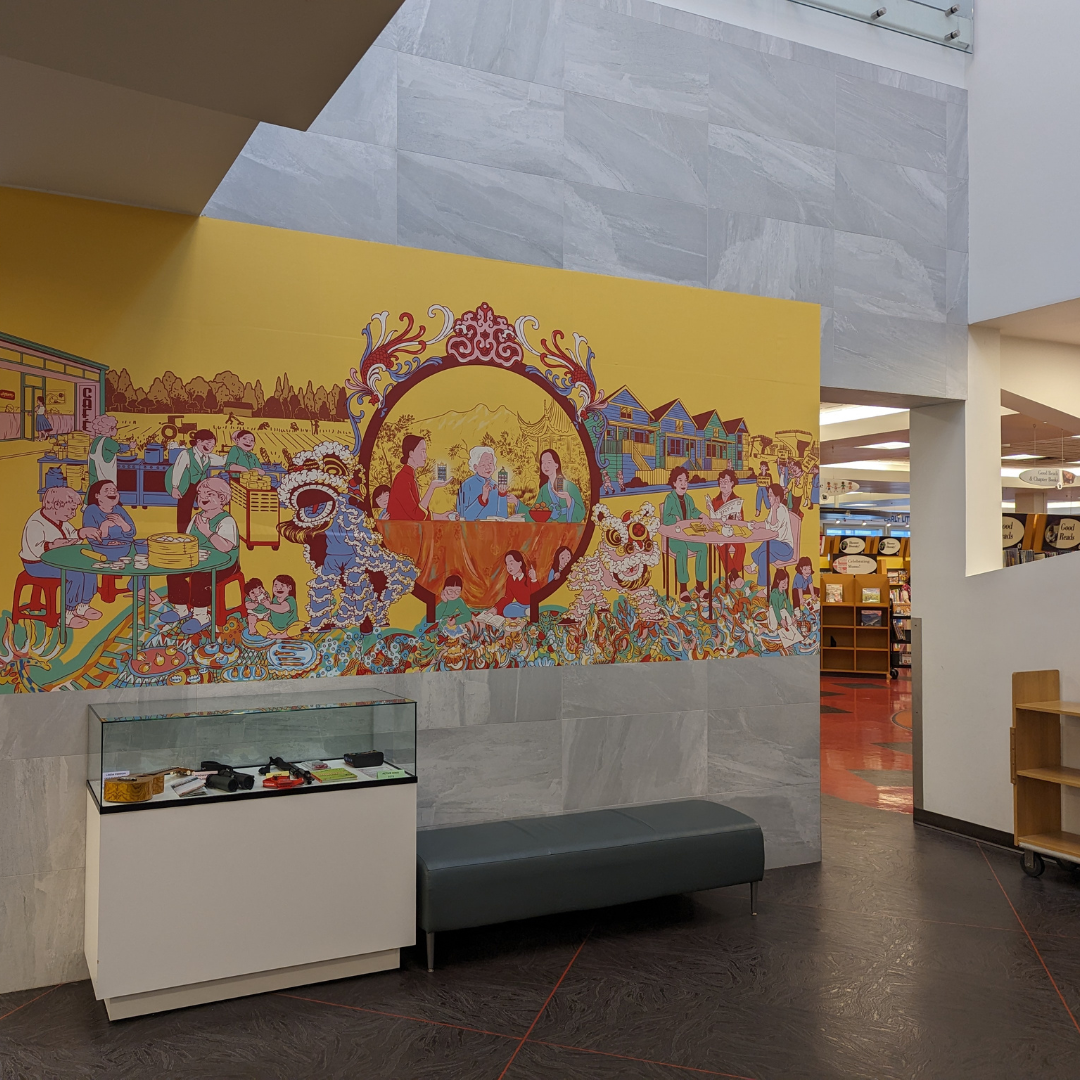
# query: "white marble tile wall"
[495,744]
[624,137]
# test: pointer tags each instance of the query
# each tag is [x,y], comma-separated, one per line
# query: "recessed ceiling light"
[841,414]
[1020,457]
[1012,473]
[886,446]
[879,465]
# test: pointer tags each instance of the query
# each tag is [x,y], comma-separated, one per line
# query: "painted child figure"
[803,585]
[281,620]
[451,611]
[256,604]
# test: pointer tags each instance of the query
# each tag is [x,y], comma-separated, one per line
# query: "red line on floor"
[11,1012]
[394,1016]
[1031,941]
[643,1061]
[547,1002]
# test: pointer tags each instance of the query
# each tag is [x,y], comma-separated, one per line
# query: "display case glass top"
[178,753]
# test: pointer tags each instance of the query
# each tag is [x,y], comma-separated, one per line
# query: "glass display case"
[170,754]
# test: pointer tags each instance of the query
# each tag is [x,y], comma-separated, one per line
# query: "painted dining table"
[74,557]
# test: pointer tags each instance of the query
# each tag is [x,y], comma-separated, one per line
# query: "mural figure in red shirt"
[406,503]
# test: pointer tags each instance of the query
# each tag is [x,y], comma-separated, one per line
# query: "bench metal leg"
[753,900]
[431,952]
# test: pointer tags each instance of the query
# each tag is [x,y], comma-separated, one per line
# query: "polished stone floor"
[906,953]
[866,740]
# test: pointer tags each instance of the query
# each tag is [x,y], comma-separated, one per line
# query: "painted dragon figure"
[356,578]
[627,552]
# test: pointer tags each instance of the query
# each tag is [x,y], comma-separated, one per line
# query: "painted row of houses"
[647,443]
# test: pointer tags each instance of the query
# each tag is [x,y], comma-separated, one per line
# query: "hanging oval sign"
[1063,535]
[852,545]
[1058,478]
[854,564]
[1012,531]
[889,545]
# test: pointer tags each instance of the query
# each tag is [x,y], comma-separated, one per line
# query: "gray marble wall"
[491,745]
[623,137]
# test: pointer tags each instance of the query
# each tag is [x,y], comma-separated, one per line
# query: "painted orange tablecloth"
[476,550]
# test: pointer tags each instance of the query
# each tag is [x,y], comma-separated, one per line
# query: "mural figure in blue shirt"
[478,497]
[561,496]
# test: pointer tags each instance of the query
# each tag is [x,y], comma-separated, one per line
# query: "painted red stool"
[44,604]
[107,588]
[223,612]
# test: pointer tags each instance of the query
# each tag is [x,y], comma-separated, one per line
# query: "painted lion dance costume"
[624,560]
[356,578]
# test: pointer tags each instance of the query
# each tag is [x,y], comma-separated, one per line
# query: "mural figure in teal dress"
[679,508]
[561,496]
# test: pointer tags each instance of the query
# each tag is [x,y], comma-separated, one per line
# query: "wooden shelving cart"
[1039,778]
[847,647]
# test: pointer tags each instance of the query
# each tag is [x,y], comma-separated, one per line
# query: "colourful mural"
[461,492]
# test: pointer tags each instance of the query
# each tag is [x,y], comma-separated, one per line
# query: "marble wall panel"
[879,198]
[488,772]
[789,816]
[447,205]
[956,287]
[620,760]
[763,680]
[771,96]
[522,39]
[41,929]
[886,277]
[890,124]
[764,746]
[610,56]
[311,183]
[454,112]
[767,257]
[42,814]
[957,235]
[513,695]
[631,235]
[881,352]
[827,345]
[364,107]
[615,145]
[633,689]
[758,174]
[956,139]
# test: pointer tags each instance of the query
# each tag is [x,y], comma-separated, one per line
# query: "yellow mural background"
[152,291]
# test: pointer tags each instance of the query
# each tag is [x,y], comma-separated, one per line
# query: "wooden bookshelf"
[848,647]
[1037,772]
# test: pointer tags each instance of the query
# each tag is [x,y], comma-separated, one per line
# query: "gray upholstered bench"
[497,871]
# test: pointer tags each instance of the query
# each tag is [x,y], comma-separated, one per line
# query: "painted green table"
[73,557]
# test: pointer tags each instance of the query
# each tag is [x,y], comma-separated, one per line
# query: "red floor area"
[866,741]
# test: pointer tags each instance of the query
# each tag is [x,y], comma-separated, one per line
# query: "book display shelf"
[855,632]
[1041,782]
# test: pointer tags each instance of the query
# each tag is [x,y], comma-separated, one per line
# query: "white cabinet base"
[261,982]
[198,903]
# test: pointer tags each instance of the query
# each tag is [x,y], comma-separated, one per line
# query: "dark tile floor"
[906,953]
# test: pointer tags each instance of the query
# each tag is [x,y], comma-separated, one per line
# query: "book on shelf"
[871,596]
[870,618]
[834,593]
